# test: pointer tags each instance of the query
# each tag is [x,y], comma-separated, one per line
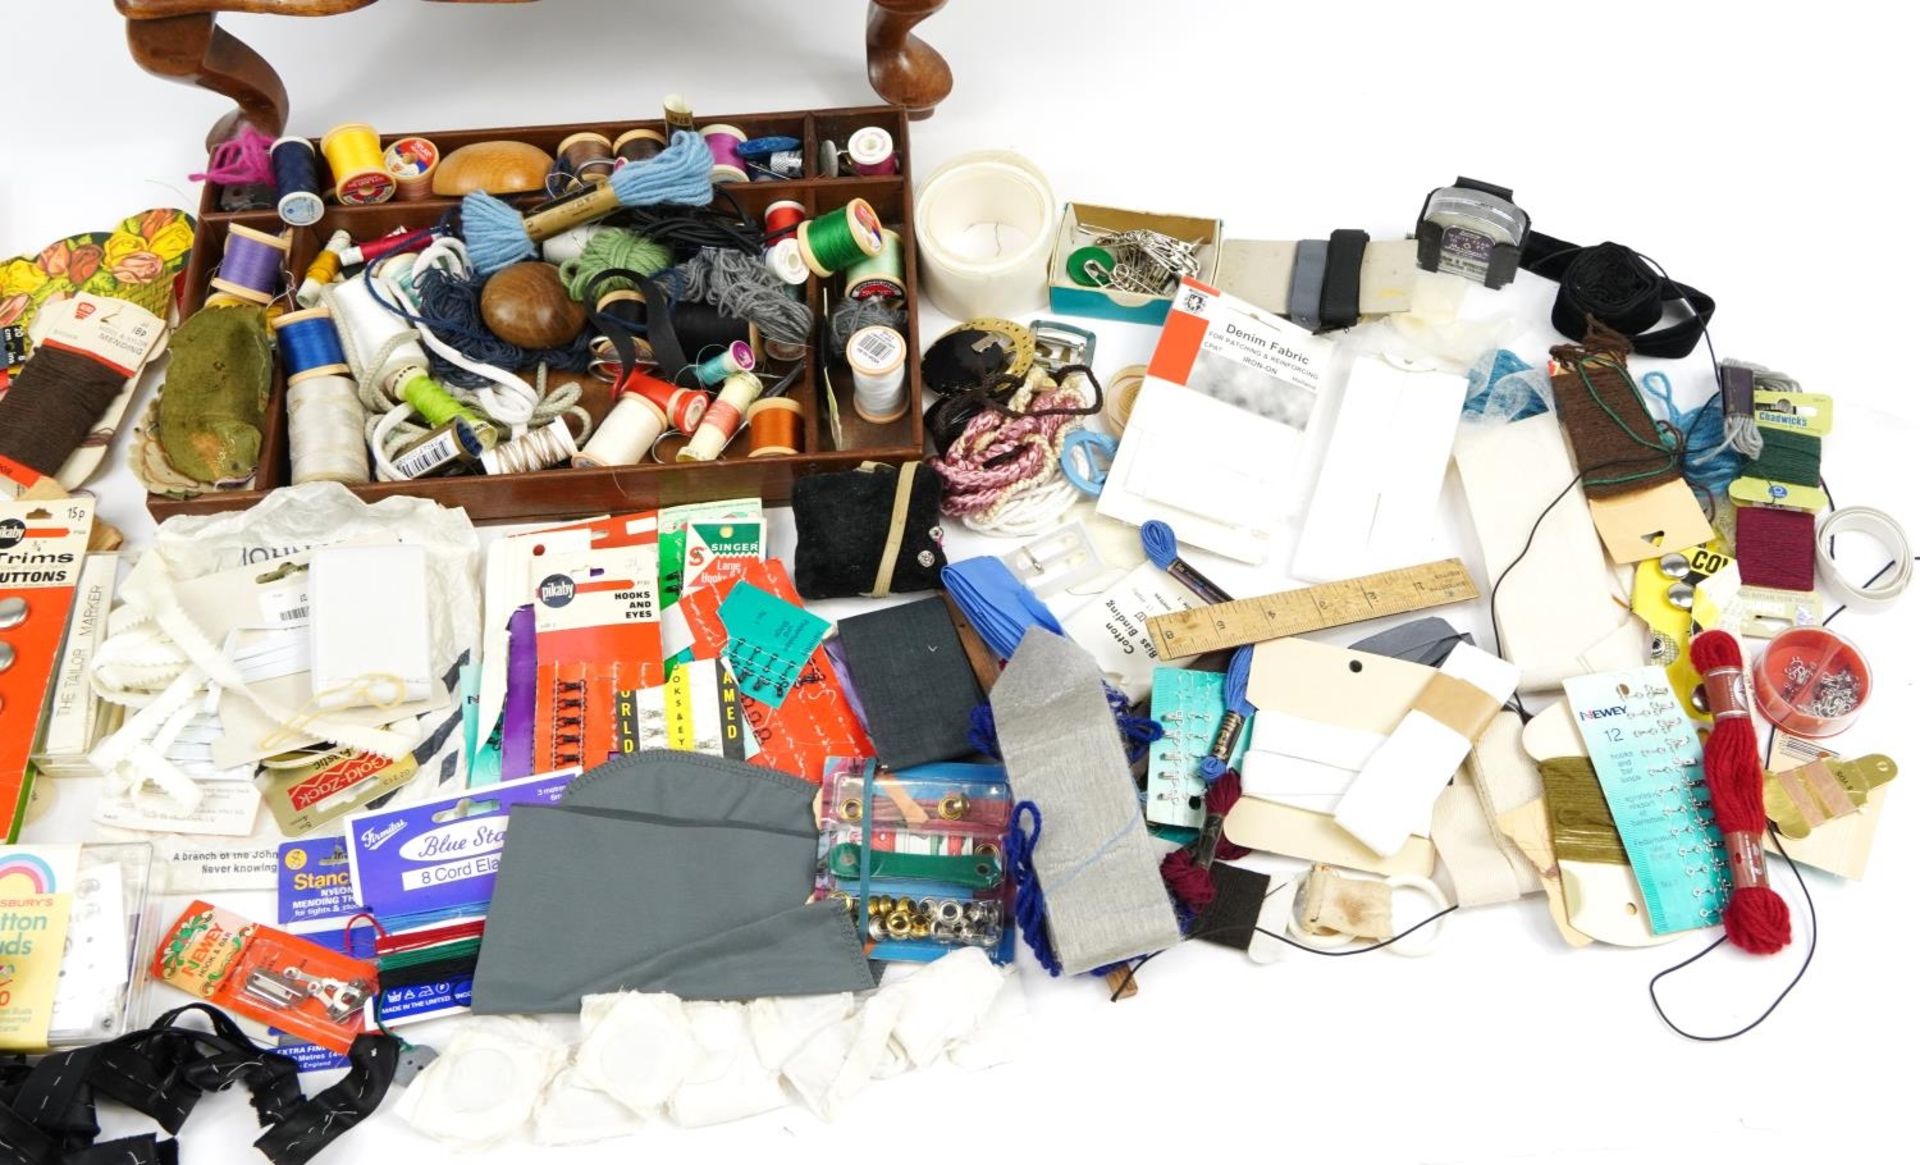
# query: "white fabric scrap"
[485,1084]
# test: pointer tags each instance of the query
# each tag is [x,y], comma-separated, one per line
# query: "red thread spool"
[1811,682]
[684,406]
[1775,547]
[782,218]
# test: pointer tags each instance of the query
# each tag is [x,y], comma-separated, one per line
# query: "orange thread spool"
[774,427]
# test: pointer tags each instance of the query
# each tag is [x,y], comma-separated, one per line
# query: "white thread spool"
[570,244]
[630,429]
[542,448]
[784,259]
[724,418]
[985,224]
[878,357]
[369,329]
[324,431]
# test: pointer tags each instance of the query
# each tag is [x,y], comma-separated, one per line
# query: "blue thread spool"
[250,266]
[738,357]
[296,181]
[310,345]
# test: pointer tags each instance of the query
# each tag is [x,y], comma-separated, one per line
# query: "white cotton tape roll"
[984,224]
[1884,591]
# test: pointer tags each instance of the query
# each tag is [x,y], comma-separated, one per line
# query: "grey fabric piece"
[1099,869]
[914,682]
[1309,275]
[664,871]
[1425,641]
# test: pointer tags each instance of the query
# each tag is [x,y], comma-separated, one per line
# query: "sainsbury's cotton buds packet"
[440,856]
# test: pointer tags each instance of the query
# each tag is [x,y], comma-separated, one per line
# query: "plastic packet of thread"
[897,889]
[1502,388]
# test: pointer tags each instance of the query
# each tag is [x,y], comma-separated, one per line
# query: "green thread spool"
[437,407]
[884,274]
[836,241]
[1789,456]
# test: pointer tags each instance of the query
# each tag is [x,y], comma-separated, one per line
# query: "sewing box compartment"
[571,492]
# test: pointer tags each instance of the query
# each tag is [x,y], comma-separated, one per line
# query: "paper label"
[769,642]
[698,709]
[315,882]
[226,809]
[36,896]
[1647,755]
[404,1005]
[1113,627]
[441,855]
[333,784]
[199,868]
[71,705]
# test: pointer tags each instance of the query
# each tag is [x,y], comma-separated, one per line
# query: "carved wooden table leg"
[904,69]
[195,51]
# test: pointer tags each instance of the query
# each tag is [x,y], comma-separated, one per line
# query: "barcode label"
[877,347]
[424,459]
[296,615]
[285,607]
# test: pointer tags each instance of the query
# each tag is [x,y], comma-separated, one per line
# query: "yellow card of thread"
[36,896]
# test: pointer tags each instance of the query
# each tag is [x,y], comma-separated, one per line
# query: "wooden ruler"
[1354,600]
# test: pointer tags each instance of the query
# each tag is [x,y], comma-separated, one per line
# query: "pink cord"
[995,453]
[239,161]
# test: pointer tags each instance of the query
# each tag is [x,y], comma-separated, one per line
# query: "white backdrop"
[1756,155]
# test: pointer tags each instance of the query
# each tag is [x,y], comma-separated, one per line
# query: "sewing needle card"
[1221,428]
[1648,758]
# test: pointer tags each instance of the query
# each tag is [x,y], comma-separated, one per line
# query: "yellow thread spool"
[360,176]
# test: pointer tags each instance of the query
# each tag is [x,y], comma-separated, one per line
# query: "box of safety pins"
[1125,265]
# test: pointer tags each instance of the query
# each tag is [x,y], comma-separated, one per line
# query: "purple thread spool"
[870,149]
[251,265]
[723,142]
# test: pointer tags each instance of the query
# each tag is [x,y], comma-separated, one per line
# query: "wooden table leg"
[904,69]
[195,51]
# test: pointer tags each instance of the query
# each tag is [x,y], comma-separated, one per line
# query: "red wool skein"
[1756,917]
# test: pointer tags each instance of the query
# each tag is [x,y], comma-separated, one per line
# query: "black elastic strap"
[1613,284]
[1340,289]
[314,1124]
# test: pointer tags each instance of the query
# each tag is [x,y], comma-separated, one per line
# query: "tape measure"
[1355,600]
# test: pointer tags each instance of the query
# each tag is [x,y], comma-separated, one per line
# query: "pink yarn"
[996,453]
[239,161]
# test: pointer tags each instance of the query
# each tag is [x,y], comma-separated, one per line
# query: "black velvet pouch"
[872,531]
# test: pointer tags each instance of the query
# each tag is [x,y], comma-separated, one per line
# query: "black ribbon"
[1615,285]
[162,1071]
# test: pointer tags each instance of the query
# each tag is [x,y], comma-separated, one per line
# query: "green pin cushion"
[209,411]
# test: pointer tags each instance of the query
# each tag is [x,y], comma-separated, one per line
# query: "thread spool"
[456,442]
[360,175]
[878,357]
[678,112]
[723,142]
[437,407]
[836,241]
[370,329]
[870,149]
[325,430]
[309,345]
[1811,682]
[637,145]
[774,427]
[250,266]
[785,261]
[683,407]
[587,156]
[783,218]
[543,448]
[324,269]
[737,357]
[628,433]
[723,418]
[412,162]
[882,274]
[296,182]
[569,245]
[392,243]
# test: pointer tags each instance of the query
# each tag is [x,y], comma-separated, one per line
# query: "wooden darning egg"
[526,304]
[495,167]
